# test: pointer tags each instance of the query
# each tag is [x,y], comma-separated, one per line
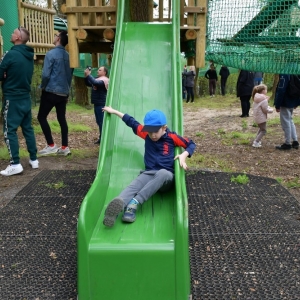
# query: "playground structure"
[37,19]
[258,35]
[1,38]
[92,28]
[149,259]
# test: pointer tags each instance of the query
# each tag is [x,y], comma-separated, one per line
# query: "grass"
[207,161]
[55,128]
[236,137]
[241,179]
[218,102]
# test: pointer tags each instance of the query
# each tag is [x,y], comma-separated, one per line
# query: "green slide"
[149,259]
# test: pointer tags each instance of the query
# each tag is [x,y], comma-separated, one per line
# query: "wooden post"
[99,16]
[190,17]
[182,3]
[73,44]
[160,10]
[113,19]
[150,10]
[94,60]
[201,36]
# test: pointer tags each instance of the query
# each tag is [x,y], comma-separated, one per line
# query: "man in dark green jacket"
[16,71]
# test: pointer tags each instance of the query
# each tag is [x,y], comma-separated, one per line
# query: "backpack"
[293,88]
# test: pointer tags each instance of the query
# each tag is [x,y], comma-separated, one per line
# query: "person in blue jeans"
[98,95]
[285,105]
[159,157]
[56,84]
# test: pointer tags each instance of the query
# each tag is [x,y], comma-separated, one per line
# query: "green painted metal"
[9,13]
[147,259]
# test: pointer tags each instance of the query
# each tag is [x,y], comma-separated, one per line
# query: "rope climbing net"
[255,35]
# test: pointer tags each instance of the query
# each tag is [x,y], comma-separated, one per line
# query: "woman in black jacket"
[189,83]
[244,88]
[212,77]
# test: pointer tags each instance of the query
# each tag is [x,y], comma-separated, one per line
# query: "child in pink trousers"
[260,111]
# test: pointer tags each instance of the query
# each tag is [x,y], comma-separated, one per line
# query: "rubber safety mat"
[244,238]
[38,237]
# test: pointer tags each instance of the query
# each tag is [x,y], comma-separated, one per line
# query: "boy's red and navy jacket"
[160,154]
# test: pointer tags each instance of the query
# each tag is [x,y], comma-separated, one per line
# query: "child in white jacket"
[260,111]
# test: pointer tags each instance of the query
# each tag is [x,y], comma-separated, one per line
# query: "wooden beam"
[195,10]
[37,8]
[88,9]
[39,45]
[99,47]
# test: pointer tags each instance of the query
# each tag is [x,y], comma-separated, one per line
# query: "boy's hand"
[182,158]
[108,109]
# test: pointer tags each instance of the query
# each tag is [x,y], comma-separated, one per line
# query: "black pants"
[48,101]
[190,93]
[223,85]
[245,105]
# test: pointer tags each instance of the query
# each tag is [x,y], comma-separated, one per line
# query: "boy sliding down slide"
[159,158]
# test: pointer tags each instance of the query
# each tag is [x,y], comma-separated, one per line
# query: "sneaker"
[48,150]
[12,170]
[256,144]
[295,145]
[112,210]
[64,152]
[34,163]
[284,147]
[130,211]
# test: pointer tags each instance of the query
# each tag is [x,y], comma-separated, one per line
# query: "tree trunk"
[81,92]
[139,10]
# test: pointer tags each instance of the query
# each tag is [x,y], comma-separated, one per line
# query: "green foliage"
[55,185]
[55,128]
[207,161]
[244,124]
[200,134]
[242,179]
[293,183]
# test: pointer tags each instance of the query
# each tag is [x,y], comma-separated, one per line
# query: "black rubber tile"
[244,239]
[60,183]
[38,268]
[38,237]
[245,266]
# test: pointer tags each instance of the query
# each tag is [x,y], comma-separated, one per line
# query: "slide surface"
[149,258]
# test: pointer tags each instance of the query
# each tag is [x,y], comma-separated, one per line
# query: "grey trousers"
[287,124]
[261,131]
[147,184]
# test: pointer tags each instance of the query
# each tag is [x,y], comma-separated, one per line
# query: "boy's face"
[155,136]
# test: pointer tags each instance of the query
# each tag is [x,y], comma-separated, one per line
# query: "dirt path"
[205,126]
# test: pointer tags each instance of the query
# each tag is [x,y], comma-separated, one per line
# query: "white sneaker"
[256,144]
[64,152]
[34,163]
[12,170]
[48,150]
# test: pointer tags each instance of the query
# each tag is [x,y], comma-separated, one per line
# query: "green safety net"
[254,35]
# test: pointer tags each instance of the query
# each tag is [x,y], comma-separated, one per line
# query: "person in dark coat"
[244,88]
[212,77]
[224,73]
[189,83]
[98,94]
[285,105]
